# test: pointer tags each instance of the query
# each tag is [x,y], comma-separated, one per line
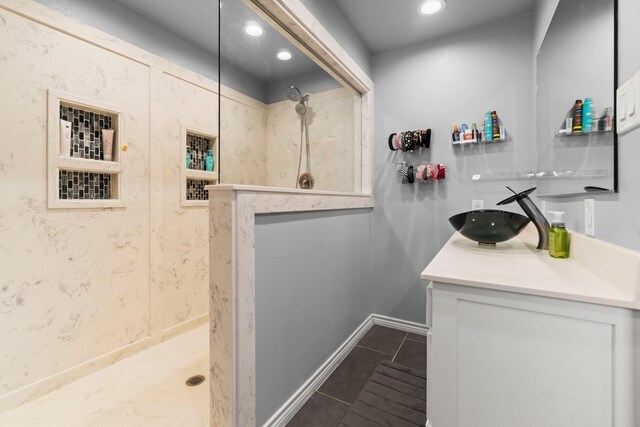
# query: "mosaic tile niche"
[86,139]
[198,146]
[86,143]
[76,185]
[195,189]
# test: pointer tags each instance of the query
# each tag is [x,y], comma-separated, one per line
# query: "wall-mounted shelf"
[546,175]
[88,165]
[581,134]
[505,176]
[573,174]
[204,175]
[483,141]
[81,178]
[195,178]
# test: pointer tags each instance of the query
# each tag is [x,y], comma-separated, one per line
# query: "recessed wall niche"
[79,175]
[196,144]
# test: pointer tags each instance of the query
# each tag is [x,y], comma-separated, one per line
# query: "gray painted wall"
[434,85]
[617,215]
[313,288]
[334,21]
[128,25]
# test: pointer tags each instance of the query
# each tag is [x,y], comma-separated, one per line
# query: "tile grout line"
[371,349]
[419,342]
[401,344]
[334,398]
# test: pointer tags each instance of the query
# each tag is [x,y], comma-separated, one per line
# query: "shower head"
[294,94]
[301,108]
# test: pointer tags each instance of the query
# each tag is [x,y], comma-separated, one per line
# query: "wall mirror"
[286,119]
[577,61]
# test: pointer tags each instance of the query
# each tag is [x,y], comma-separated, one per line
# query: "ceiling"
[387,24]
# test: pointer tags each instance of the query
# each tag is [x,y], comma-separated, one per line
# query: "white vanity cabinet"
[505,359]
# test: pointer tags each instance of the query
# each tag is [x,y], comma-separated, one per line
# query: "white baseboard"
[299,398]
[403,325]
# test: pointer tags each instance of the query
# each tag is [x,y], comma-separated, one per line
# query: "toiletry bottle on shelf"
[495,126]
[609,122]
[455,136]
[577,116]
[474,132]
[587,113]
[558,236]
[188,159]
[209,162]
[488,127]
[603,120]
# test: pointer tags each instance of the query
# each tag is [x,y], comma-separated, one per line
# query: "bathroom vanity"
[522,339]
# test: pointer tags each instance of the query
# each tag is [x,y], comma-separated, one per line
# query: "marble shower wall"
[81,288]
[243,152]
[75,283]
[334,133]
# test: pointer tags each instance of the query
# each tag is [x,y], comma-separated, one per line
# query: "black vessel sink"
[488,227]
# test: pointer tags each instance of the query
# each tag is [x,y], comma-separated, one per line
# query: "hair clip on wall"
[410,140]
[426,172]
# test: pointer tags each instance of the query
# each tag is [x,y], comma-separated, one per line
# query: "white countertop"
[597,272]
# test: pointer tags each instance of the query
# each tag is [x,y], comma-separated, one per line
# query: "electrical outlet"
[590,217]
[477,204]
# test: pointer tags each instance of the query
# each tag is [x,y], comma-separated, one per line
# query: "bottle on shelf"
[455,134]
[474,132]
[609,123]
[488,127]
[495,126]
[188,159]
[209,162]
[577,116]
[587,113]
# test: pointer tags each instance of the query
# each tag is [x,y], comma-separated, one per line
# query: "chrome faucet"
[534,214]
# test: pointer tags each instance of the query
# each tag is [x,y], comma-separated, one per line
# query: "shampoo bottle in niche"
[209,162]
[65,138]
[558,236]
[107,144]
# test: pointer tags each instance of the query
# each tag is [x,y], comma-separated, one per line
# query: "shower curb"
[300,397]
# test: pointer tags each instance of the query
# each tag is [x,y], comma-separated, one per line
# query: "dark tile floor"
[327,406]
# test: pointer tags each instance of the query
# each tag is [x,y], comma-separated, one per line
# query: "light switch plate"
[628,105]
[477,204]
[590,217]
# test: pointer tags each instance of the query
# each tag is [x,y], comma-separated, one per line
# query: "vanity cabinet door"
[509,360]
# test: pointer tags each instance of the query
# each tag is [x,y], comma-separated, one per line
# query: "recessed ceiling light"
[284,55]
[431,7]
[253,29]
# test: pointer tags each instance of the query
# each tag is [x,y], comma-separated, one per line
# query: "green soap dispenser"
[209,162]
[558,236]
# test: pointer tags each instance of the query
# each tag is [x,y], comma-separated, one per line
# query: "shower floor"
[147,389]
